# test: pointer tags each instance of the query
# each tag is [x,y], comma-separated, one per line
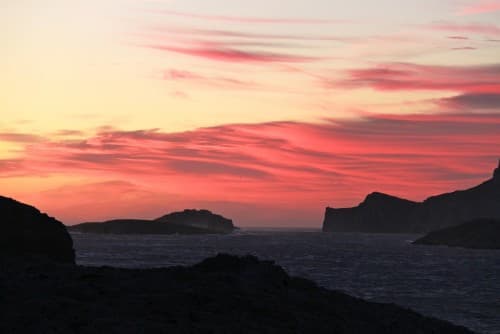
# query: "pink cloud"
[19,137]
[480,7]
[485,29]
[242,19]
[219,33]
[213,81]
[407,76]
[227,54]
[274,166]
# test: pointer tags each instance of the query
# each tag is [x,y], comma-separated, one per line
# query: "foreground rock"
[381,213]
[224,294]
[478,234]
[184,222]
[25,233]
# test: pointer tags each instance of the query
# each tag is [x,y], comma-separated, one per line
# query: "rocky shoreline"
[475,234]
[223,294]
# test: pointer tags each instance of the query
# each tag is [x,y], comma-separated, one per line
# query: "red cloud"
[282,164]
[406,76]
[227,54]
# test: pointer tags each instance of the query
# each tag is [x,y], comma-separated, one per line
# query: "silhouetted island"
[183,222]
[222,294]
[478,234]
[381,213]
[25,232]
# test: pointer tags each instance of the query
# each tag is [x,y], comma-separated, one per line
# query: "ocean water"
[459,285]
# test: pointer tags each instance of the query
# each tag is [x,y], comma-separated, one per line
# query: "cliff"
[184,222]
[478,234]
[28,233]
[380,213]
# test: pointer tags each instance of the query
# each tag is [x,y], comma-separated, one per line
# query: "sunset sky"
[263,111]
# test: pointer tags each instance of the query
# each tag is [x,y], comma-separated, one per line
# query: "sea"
[454,284]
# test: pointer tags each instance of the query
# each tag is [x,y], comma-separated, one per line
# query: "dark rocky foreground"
[25,232]
[382,213]
[478,234]
[183,222]
[224,294]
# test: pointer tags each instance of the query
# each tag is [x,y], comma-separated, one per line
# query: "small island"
[183,222]
[476,234]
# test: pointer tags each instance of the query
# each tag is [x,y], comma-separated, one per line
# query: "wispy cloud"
[473,102]
[227,54]
[458,37]
[274,156]
[464,48]
[19,137]
[407,76]
[246,19]
[175,75]
[483,29]
[480,7]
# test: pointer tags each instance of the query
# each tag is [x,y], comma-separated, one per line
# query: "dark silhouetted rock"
[387,214]
[479,234]
[224,294]
[202,219]
[380,213]
[185,222]
[27,233]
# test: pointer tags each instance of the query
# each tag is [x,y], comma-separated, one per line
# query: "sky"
[263,111]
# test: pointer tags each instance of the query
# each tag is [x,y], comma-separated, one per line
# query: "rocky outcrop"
[478,234]
[387,214]
[184,222]
[380,213]
[26,233]
[224,294]
[202,219]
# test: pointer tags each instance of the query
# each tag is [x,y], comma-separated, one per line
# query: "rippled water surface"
[459,285]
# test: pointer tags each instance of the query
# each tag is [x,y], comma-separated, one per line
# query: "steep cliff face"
[380,213]
[386,213]
[28,233]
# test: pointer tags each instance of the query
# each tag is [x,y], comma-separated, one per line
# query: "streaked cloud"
[473,102]
[480,7]
[407,76]
[247,19]
[228,54]
[473,28]
[270,164]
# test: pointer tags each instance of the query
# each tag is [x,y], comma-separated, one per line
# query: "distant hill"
[479,234]
[381,213]
[183,222]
